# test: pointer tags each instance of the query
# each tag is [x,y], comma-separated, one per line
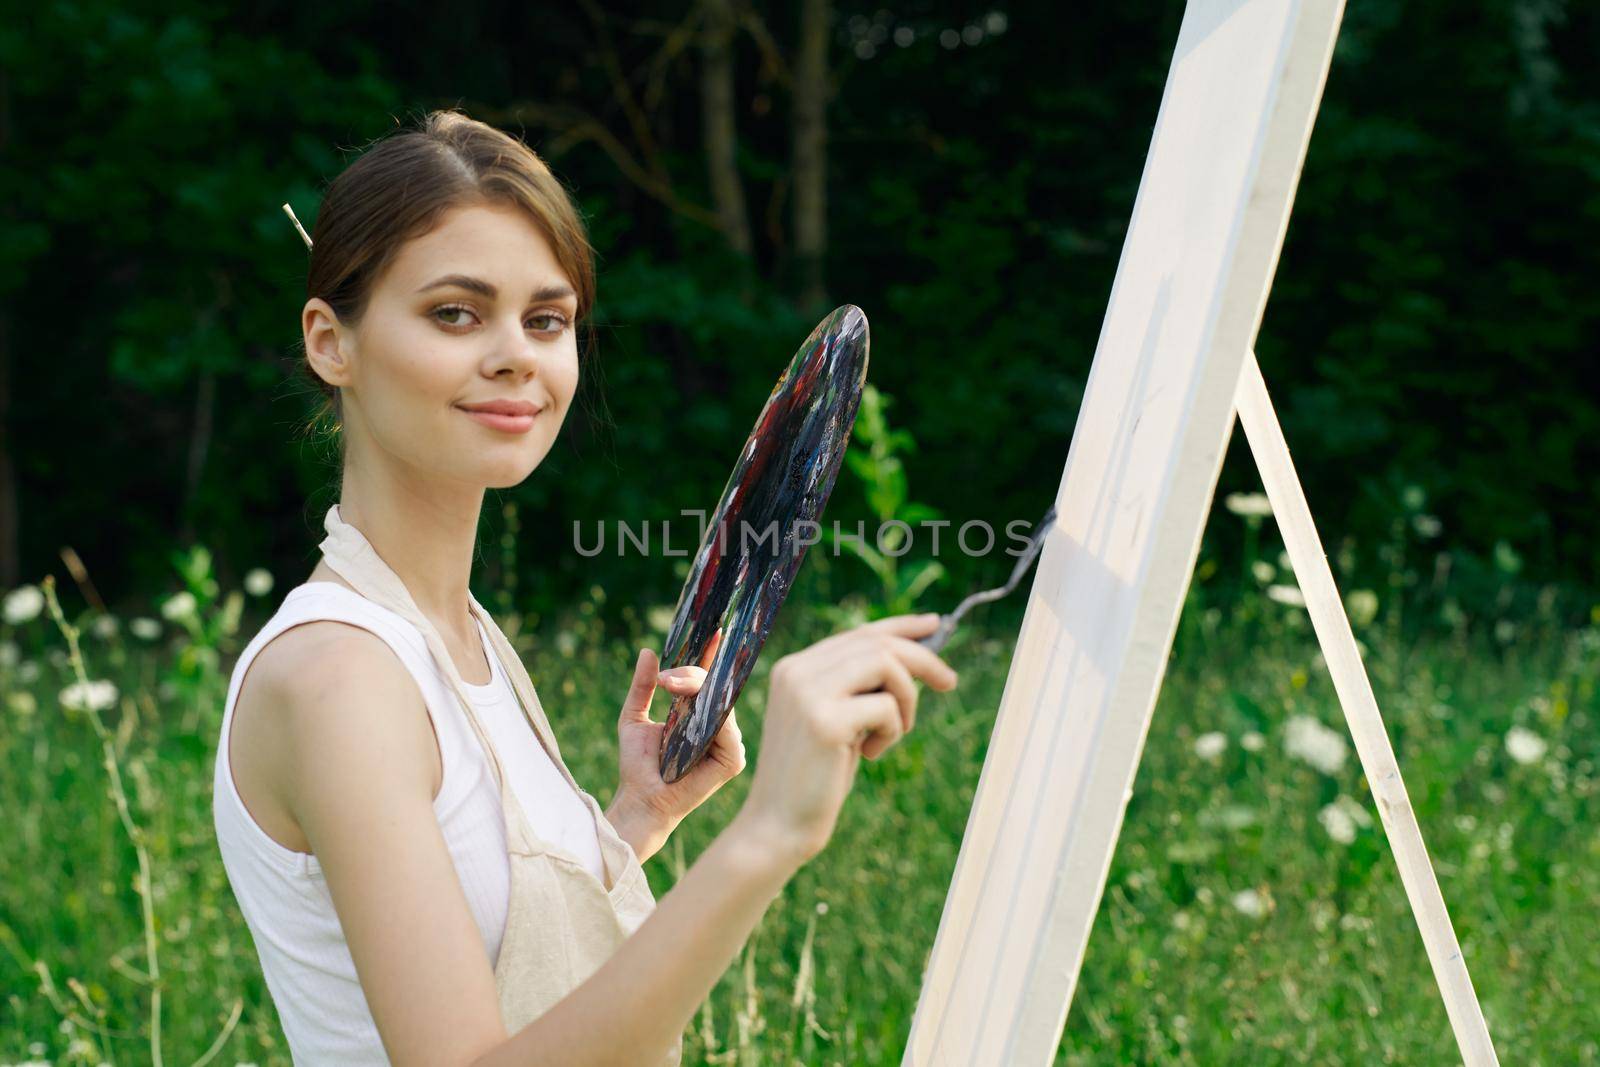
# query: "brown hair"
[402,186]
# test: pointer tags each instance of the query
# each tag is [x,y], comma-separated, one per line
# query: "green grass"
[1331,970]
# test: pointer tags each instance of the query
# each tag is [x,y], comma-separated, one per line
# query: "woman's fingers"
[683,681]
[910,626]
[878,658]
[921,661]
[636,705]
[905,625]
[710,652]
[925,663]
[875,721]
[730,742]
[875,667]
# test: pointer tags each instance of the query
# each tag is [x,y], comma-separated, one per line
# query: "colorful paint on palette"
[759,532]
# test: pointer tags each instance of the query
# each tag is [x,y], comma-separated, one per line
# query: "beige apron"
[561,923]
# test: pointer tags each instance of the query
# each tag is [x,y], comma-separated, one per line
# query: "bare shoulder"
[311,694]
[354,755]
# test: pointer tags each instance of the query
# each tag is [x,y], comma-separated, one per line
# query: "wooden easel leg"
[1350,681]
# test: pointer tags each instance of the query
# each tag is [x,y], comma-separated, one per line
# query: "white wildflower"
[1263,571]
[22,702]
[1506,558]
[1338,823]
[1524,745]
[660,617]
[10,654]
[1253,741]
[1285,562]
[1342,818]
[1249,902]
[566,642]
[1229,817]
[1248,505]
[1210,746]
[105,627]
[1287,594]
[1427,525]
[89,696]
[1312,742]
[23,604]
[1362,604]
[28,671]
[258,582]
[145,629]
[179,606]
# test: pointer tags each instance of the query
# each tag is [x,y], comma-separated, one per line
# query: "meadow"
[1253,912]
[967,180]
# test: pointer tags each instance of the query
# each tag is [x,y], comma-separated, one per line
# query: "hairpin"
[287,210]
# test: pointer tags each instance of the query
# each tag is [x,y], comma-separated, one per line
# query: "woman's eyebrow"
[486,289]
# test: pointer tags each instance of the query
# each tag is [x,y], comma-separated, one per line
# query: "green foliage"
[210,623]
[881,473]
[1429,325]
[1429,341]
[1251,912]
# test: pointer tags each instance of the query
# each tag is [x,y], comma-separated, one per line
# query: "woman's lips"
[503,423]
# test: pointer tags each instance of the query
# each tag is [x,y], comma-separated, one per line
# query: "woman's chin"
[506,475]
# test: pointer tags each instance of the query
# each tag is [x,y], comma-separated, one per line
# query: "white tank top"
[282,893]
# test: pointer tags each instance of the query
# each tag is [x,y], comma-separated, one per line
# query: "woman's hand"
[849,695]
[646,809]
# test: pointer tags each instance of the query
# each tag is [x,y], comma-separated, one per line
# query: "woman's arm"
[361,788]
[848,696]
[358,780]
[644,833]
[357,775]
[645,810]
[642,998]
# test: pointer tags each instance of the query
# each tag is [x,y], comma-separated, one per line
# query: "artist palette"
[756,538]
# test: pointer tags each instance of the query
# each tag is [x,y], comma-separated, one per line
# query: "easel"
[1173,366]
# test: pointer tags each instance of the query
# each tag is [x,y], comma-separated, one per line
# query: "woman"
[424,881]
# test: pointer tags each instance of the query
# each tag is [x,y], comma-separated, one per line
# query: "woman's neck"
[428,542]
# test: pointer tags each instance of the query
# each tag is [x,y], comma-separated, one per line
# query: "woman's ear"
[326,342]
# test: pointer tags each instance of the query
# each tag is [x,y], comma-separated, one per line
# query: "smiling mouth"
[503,407]
[503,421]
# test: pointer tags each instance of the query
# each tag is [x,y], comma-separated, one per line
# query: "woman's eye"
[545,322]
[558,322]
[453,310]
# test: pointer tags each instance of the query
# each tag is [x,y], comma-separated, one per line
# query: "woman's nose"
[515,351]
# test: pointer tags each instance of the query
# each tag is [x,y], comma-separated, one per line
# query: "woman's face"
[475,311]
